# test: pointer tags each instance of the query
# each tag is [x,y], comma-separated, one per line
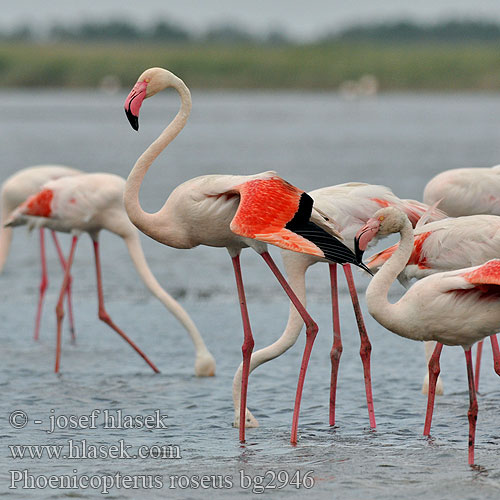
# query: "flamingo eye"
[381,218]
[147,80]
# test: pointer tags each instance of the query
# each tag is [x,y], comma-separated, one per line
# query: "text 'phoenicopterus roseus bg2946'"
[90,203]
[15,190]
[457,307]
[232,211]
[350,205]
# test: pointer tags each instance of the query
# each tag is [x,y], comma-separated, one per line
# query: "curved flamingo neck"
[154,224]
[387,314]
[137,255]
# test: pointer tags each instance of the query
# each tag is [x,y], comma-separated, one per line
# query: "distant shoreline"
[399,67]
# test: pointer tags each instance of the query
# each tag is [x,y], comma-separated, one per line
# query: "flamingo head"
[385,221]
[152,81]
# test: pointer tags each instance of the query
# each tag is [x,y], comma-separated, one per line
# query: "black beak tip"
[133,120]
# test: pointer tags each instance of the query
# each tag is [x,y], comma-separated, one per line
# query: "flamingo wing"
[273,211]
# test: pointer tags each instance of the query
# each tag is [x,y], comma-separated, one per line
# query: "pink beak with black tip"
[133,103]
[365,235]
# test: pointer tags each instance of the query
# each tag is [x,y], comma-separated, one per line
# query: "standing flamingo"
[350,205]
[446,245]
[232,211]
[14,191]
[457,307]
[467,191]
[90,203]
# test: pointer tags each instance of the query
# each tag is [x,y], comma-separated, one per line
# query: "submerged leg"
[472,413]
[68,290]
[43,285]
[104,316]
[336,351]
[365,348]
[311,332]
[434,370]
[248,343]
[60,302]
[478,363]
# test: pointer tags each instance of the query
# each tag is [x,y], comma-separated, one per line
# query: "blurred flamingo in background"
[467,191]
[14,191]
[457,307]
[90,203]
[350,205]
[232,211]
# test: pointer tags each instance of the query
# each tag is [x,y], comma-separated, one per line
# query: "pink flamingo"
[447,245]
[457,307]
[232,211]
[350,205]
[15,190]
[90,203]
[467,191]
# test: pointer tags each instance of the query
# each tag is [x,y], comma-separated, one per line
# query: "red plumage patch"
[39,204]
[266,206]
[416,257]
[487,274]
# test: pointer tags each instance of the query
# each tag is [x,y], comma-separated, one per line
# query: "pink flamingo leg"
[104,316]
[434,370]
[43,285]
[496,353]
[472,413]
[311,332]
[246,348]
[62,260]
[60,302]
[478,363]
[366,347]
[336,351]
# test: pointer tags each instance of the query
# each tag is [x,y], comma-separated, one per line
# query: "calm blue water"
[313,140]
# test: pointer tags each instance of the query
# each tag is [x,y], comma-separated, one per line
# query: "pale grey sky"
[301,18]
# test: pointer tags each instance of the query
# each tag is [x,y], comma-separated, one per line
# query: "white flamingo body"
[465,191]
[457,307]
[90,203]
[349,205]
[446,245]
[445,307]
[17,188]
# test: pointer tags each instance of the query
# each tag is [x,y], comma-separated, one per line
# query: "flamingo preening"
[467,191]
[458,307]
[90,203]
[14,191]
[232,211]
[350,205]
[447,245]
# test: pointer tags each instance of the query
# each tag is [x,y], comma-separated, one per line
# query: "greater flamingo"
[457,307]
[446,245]
[467,191]
[232,211]
[90,203]
[350,205]
[15,190]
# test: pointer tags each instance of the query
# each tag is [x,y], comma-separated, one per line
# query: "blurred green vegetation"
[422,66]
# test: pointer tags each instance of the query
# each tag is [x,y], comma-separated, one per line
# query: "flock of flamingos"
[449,244]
